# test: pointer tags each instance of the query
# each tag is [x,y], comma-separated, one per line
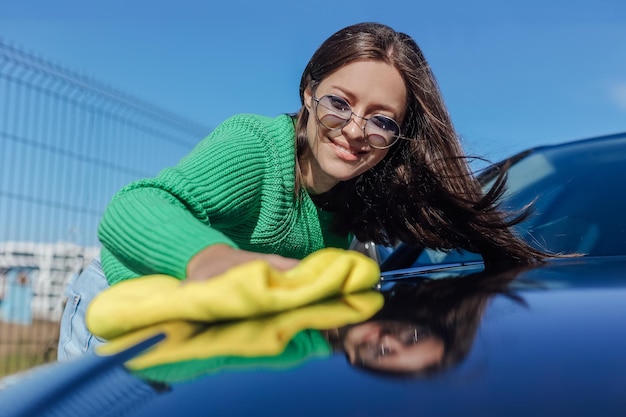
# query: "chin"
[342,175]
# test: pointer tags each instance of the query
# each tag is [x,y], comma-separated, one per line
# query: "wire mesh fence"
[67,144]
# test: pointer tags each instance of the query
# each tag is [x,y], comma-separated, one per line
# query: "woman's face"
[393,346]
[369,88]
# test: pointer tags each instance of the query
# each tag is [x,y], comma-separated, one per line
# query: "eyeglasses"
[407,336]
[334,113]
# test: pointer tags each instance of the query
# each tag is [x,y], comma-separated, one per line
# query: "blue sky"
[514,74]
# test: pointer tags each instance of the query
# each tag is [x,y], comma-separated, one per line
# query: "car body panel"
[552,346]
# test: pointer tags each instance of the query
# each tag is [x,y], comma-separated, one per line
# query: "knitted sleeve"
[156,225]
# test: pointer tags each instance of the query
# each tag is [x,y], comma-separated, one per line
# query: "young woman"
[371,153]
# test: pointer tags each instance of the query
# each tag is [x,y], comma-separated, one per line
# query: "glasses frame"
[377,351]
[349,119]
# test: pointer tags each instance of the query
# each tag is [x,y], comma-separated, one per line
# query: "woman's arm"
[217,259]
[159,225]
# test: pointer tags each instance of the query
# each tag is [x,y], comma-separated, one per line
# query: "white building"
[50,266]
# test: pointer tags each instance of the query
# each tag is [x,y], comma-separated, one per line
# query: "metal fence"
[67,144]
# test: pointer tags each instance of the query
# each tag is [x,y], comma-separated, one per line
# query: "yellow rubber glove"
[261,337]
[248,290]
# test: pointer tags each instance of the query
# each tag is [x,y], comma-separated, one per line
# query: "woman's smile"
[345,152]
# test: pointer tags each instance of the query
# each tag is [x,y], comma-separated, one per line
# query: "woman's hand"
[217,259]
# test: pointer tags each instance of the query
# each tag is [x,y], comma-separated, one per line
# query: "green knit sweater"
[236,187]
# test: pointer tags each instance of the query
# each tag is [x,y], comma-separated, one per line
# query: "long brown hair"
[451,308]
[423,192]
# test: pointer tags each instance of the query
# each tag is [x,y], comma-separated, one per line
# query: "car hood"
[546,340]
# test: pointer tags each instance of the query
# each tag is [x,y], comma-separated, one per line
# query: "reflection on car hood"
[533,341]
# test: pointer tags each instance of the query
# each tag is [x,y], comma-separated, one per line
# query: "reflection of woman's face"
[394,346]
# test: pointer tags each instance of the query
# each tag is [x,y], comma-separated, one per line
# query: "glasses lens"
[381,131]
[333,112]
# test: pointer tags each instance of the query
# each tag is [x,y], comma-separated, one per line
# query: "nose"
[390,342]
[353,130]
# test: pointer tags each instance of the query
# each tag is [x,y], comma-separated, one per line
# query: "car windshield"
[578,207]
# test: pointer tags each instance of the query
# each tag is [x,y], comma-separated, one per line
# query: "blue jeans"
[74,338]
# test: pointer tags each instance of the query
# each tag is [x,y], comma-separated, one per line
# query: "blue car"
[438,336]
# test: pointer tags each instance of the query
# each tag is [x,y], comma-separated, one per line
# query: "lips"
[346,152]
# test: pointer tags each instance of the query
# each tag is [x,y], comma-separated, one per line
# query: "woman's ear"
[308,95]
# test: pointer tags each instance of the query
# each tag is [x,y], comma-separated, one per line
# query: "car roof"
[611,140]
